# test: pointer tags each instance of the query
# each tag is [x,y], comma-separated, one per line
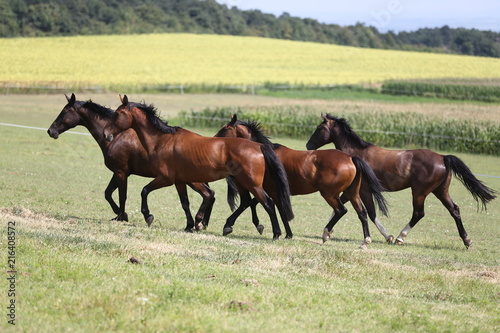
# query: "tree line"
[23,18]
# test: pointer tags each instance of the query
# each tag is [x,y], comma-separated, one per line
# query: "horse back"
[309,171]
[400,169]
[195,158]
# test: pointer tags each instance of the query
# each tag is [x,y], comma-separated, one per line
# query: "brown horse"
[179,156]
[330,172]
[124,156]
[422,170]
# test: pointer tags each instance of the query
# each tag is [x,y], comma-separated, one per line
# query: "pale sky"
[396,15]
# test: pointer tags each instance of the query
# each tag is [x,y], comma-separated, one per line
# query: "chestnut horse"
[422,170]
[124,156]
[179,156]
[330,172]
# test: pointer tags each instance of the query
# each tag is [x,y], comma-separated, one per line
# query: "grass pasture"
[134,62]
[74,273]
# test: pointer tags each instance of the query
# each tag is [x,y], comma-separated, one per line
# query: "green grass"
[343,93]
[74,274]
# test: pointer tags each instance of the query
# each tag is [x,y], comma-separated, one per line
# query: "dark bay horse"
[422,170]
[179,156]
[124,156]
[330,172]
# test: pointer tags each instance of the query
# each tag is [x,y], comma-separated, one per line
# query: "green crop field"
[135,61]
[74,273]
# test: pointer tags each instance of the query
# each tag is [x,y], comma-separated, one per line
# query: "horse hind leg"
[454,210]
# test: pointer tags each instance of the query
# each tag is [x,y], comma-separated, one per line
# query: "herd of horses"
[134,140]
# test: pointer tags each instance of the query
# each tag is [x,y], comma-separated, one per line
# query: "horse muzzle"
[108,136]
[53,133]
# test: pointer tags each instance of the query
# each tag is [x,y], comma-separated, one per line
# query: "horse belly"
[200,172]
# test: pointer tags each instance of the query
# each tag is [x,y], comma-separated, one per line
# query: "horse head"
[323,133]
[120,121]
[67,118]
[230,130]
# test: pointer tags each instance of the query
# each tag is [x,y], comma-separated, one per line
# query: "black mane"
[256,129]
[99,109]
[152,115]
[349,134]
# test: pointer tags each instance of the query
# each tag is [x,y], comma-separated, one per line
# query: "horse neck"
[95,124]
[147,133]
[342,142]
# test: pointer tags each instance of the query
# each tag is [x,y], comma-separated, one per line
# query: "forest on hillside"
[31,18]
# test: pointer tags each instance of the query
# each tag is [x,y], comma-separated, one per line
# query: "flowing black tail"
[278,174]
[476,187]
[372,180]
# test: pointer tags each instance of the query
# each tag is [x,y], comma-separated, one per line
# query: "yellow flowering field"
[155,59]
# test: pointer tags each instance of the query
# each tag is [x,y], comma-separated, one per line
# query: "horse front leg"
[362,215]
[108,195]
[418,214]
[203,215]
[255,217]
[245,201]
[155,184]
[122,197]
[183,196]
[339,210]
[367,199]
[269,206]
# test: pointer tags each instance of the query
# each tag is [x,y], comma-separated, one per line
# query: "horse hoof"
[226,231]
[276,237]
[150,219]
[260,229]
[399,241]
[189,230]
[120,217]
[326,235]
[289,236]
[199,226]
[390,239]
[363,246]
[467,243]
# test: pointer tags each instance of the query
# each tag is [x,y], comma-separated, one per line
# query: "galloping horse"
[422,170]
[124,156]
[330,172]
[179,156]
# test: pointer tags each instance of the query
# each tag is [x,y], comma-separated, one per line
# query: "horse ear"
[72,99]
[123,99]
[323,116]
[233,119]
